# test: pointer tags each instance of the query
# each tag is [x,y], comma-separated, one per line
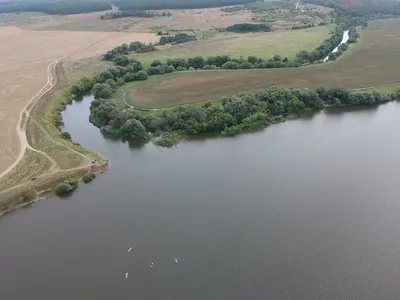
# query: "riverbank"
[49,159]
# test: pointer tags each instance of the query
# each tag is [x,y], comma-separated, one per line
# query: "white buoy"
[129,250]
[151,264]
[126,275]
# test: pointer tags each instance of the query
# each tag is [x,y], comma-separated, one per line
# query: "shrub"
[66,135]
[66,187]
[181,69]
[23,199]
[88,177]
[230,65]
[167,139]
[63,189]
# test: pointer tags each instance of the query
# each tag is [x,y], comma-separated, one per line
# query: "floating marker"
[126,275]
[129,250]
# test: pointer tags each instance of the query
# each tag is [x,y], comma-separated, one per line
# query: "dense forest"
[363,7]
[65,7]
[229,116]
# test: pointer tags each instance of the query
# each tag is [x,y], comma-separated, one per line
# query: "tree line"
[129,13]
[66,7]
[118,54]
[177,39]
[129,69]
[229,116]
[247,27]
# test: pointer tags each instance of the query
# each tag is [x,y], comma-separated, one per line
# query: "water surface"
[308,209]
[344,40]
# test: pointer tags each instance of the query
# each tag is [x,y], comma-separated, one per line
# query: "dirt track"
[25,60]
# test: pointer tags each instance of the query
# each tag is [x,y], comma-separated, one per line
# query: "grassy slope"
[370,65]
[284,43]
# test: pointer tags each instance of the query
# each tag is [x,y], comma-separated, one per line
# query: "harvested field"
[183,19]
[266,45]
[23,66]
[373,64]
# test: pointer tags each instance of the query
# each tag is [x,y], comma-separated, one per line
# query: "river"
[344,40]
[307,210]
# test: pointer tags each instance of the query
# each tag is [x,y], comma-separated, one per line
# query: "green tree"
[134,130]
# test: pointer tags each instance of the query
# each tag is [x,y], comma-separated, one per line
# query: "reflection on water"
[307,209]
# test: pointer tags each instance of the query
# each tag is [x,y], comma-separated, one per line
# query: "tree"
[75,89]
[66,135]
[277,57]
[252,59]
[196,62]
[128,77]
[303,56]
[88,177]
[134,130]
[230,65]
[141,75]
[156,63]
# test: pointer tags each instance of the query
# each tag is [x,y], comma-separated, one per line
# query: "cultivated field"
[374,64]
[266,45]
[27,70]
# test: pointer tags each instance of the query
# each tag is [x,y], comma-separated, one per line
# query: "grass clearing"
[371,65]
[265,45]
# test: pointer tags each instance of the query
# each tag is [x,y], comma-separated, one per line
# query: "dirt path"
[23,121]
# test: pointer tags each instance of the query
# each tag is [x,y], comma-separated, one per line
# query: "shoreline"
[39,186]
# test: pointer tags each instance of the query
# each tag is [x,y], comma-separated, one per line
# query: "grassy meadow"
[370,65]
[265,45]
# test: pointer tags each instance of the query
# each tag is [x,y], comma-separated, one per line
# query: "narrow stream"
[344,40]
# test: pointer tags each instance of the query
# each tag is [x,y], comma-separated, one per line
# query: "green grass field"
[265,45]
[373,64]
[8,17]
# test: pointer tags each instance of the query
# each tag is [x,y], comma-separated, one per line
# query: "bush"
[66,135]
[167,139]
[181,69]
[230,65]
[66,187]
[23,199]
[63,189]
[88,177]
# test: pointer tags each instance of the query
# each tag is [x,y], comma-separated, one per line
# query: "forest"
[65,7]
[228,116]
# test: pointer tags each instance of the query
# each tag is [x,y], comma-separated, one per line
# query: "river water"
[344,40]
[308,209]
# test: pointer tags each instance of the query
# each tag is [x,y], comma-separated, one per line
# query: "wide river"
[304,210]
